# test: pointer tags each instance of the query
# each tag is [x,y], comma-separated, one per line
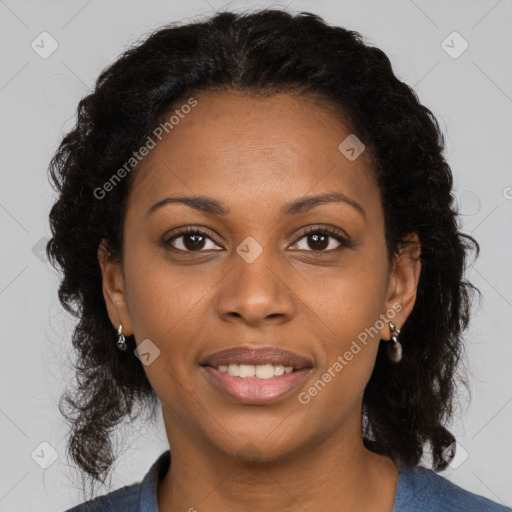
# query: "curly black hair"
[406,406]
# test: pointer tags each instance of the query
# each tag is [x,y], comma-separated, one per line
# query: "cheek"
[347,317]
[349,298]
[168,304]
[164,303]
[163,297]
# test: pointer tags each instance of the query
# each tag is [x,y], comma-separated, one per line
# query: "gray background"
[471,95]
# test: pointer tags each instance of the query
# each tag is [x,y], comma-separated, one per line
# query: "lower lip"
[254,390]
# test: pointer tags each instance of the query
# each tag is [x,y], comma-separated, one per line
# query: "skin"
[256,155]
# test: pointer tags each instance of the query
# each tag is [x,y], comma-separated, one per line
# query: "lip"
[254,391]
[257,356]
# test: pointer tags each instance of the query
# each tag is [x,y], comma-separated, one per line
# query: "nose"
[257,292]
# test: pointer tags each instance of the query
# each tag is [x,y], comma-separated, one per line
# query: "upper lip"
[257,356]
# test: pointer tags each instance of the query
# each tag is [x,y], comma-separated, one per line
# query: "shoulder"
[422,490]
[131,498]
[125,499]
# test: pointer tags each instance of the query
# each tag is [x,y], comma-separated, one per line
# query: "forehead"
[235,146]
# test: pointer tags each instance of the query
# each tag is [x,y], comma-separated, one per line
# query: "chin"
[256,447]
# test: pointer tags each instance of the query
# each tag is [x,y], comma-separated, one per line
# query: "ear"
[403,284]
[114,289]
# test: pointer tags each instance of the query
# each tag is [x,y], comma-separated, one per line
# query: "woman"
[255,216]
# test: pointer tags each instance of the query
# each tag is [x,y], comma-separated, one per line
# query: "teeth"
[279,369]
[246,370]
[260,371]
[263,371]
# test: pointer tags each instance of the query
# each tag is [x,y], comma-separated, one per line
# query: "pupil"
[198,239]
[316,238]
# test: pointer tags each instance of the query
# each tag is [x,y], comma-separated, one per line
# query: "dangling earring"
[121,343]
[394,348]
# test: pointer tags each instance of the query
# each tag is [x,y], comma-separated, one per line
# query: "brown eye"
[322,240]
[317,240]
[190,240]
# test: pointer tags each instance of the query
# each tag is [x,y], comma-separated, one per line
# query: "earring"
[121,343]
[394,348]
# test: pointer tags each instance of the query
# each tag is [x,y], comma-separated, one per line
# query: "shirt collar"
[148,498]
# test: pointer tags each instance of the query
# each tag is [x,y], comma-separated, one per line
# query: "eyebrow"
[212,206]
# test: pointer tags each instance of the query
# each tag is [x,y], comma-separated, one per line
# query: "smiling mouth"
[251,389]
[256,375]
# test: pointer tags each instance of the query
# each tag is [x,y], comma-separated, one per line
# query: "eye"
[322,240]
[190,240]
[317,240]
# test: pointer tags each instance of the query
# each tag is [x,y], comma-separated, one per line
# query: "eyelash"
[343,240]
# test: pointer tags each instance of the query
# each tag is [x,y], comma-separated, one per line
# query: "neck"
[333,473]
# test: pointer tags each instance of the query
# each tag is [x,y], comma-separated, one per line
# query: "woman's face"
[252,278]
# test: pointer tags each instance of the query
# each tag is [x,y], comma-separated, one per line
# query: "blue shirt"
[418,490]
